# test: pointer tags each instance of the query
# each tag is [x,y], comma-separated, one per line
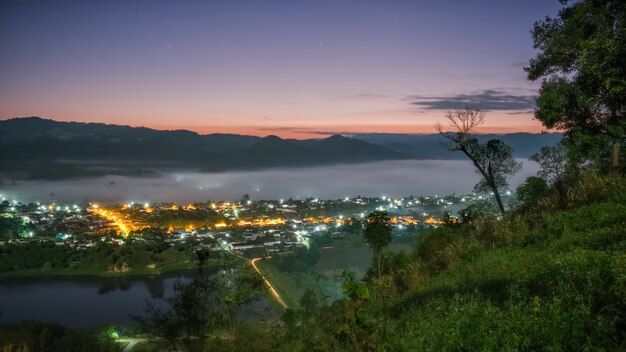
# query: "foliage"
[353,226]
[197,309]
[552,162]
[582,65]
[541,277]
[532,190]
[301,260]
[477,210]
[493,159]
[40,337]
[496,159]
[377,234]
[103,258]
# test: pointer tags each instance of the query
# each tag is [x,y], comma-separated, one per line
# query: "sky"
[294,68]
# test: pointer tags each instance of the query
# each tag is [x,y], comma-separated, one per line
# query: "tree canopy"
[582,67]
[377,234]
[493,159]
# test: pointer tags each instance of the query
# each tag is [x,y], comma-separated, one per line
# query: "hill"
[430,146]
[549,276]
[40,148]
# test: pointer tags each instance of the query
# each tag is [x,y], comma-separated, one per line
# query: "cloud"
[489,99]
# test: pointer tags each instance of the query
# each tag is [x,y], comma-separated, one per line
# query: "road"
[277,297]
[131,343]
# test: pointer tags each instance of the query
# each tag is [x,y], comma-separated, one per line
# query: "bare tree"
[493,160]
[553,163]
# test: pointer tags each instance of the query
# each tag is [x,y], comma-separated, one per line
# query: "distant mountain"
[431,146]
[40,148]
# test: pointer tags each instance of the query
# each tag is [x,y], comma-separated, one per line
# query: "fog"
[386,178]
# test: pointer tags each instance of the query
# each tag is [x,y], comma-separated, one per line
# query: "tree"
[582,67]
[552,161]
[353,226]
[308,303]
[493,159]
[553,164]
[377,234]
[197,308]
[532,189]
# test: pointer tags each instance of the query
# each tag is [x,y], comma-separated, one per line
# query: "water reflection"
[155,288]
[83,301]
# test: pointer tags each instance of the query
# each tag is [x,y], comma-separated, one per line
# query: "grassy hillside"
[550,277]
[560,285]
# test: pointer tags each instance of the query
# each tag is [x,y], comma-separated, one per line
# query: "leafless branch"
[463,121]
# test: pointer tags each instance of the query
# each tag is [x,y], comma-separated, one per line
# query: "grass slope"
[556,281]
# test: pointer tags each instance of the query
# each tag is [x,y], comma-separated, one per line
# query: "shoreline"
[100,274]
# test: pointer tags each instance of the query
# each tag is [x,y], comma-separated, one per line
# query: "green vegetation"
[39,337]
[198,310]
[547,275]
[492,159]
[377,234]
[49,258]
[551,275]
[581,62]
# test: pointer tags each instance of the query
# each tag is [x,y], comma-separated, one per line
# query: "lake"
[385,178]
[79,301]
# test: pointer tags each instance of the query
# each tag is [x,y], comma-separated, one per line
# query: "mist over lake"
[388,178]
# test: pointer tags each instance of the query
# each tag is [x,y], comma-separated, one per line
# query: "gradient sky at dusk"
[296,68]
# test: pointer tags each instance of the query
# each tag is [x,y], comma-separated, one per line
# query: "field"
[349,254]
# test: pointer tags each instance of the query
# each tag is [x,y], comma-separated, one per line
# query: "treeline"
[146,255]
[29,336]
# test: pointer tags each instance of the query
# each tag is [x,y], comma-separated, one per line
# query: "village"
[242,227]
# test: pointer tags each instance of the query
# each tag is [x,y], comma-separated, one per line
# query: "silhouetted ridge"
[36,147]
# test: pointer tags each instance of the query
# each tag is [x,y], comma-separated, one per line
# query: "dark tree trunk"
[498,199]
[494,188]
[488,177]
[615,162]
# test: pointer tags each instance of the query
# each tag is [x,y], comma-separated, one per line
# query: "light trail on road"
[277,297]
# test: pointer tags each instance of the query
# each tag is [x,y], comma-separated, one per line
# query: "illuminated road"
[131,343]
[272,290]
[113,217]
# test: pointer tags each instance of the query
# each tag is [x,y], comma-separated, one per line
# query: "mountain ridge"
[34,147]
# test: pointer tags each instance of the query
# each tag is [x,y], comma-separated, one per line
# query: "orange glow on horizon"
[323,131]
[496,123]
